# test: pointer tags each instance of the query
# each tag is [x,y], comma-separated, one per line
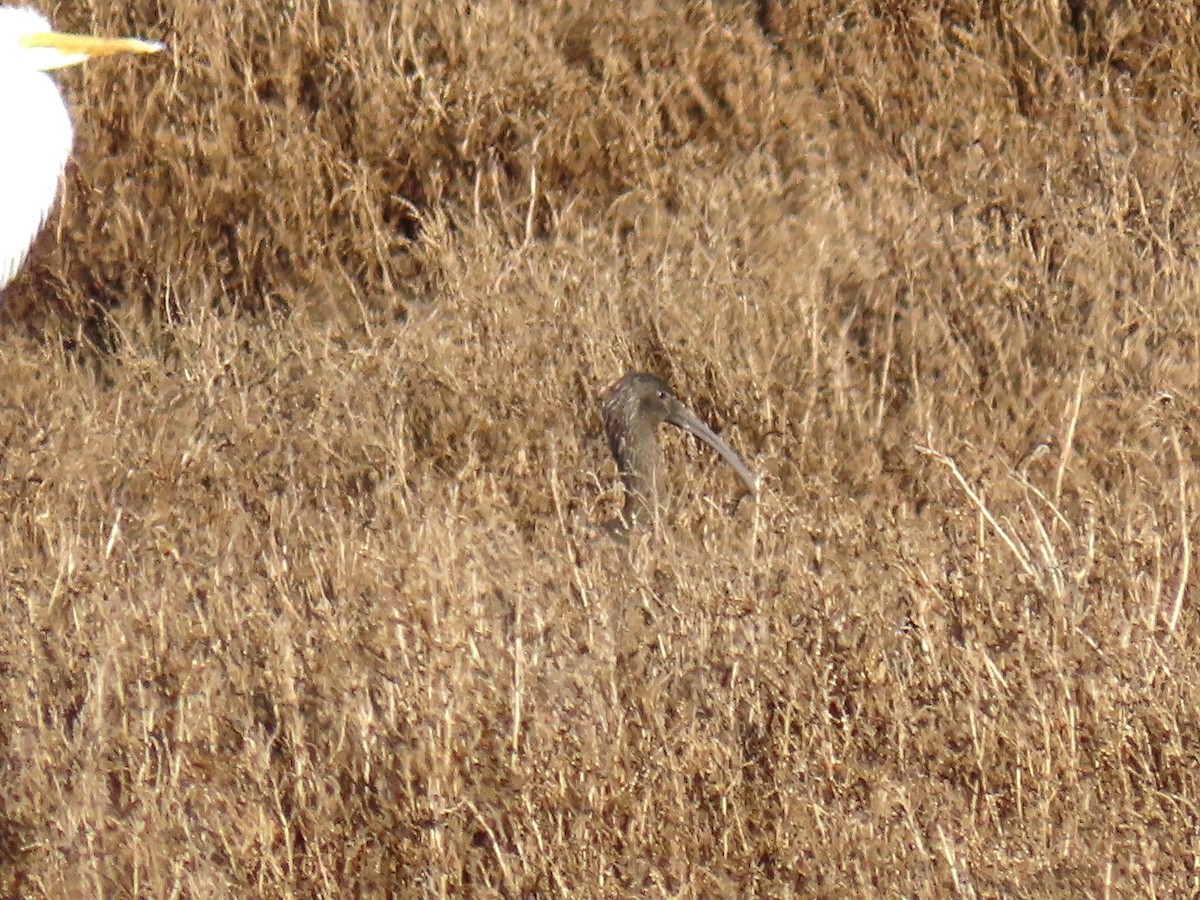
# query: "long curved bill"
[681,417]
[57,49]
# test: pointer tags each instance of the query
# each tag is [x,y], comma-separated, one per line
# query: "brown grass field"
[301,460]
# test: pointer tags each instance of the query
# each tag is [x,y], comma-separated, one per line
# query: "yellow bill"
[57,49]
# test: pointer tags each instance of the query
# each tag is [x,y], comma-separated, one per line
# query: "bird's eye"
[662,394]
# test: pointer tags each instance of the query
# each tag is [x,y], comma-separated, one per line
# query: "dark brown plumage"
[633,409]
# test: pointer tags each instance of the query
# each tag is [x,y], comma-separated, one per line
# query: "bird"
[35,123]
[633,407]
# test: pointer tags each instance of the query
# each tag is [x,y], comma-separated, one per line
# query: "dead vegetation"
[300,455]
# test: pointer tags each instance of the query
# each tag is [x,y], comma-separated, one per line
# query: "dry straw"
[301,455]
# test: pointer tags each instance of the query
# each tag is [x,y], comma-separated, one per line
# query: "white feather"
[36,142]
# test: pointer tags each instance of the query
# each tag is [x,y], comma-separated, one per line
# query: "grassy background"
[300,454]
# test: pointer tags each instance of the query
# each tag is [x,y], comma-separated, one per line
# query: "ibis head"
[633,409]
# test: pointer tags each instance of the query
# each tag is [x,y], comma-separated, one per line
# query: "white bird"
[35,127]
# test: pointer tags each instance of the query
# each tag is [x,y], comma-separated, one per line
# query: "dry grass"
[301,592]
